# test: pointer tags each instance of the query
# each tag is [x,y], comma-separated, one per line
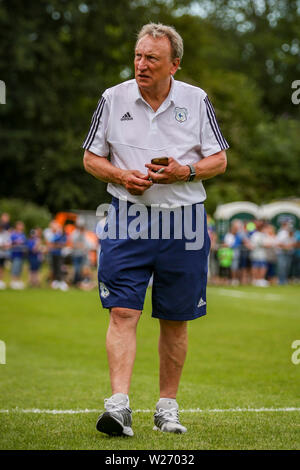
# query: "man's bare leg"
[172,352]
[121,347]
[172,348]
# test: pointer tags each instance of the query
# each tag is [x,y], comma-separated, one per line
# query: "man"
[152,116]
[285,242]
[234,239]
[17,252]
[4,252]
[80,249]
[56,239]
[258,255]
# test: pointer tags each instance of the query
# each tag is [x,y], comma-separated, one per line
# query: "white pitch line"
[191,410]
[248,295]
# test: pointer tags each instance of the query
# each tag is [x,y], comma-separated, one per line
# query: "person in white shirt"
[258,255]
[4,252]
[152,116]
[285,243]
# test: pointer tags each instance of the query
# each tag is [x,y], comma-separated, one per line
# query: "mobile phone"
[160,161]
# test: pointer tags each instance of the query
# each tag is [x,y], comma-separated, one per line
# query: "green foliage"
[58,56]
[31,214]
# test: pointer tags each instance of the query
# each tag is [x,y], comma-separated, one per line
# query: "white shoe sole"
[112,426]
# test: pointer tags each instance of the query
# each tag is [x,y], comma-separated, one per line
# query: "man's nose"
[142,64]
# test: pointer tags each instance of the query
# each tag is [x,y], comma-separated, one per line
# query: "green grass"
[239,356]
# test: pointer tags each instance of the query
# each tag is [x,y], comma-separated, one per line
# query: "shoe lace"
[111,405]
[168,415]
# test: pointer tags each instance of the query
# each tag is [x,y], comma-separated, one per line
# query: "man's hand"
[171,173]
[206,168]
[135,182]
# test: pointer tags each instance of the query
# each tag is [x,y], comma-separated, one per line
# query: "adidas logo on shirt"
[126,117]
[201,303]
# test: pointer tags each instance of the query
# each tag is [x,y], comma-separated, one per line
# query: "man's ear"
[175,65]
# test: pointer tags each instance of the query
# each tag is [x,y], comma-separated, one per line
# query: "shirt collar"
[170,98]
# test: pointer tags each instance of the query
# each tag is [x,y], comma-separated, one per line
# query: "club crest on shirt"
[181,114]
[104,292]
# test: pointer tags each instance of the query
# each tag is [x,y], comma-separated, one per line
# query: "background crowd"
[255,253]
[249,253]
[70,256]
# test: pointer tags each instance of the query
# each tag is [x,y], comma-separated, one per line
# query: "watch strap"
[192,172]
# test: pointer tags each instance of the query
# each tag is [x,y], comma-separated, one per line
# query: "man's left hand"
[171,173]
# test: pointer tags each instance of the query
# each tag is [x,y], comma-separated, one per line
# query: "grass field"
[239,357]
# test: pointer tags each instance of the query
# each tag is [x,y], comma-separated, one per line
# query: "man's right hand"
[135,182]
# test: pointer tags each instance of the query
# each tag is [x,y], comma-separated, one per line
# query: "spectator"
[225,257]
[87,282]
[259,255]
[285,244]
[245,261]
[4,252]
[56,241]
[5,221]
[18,251]
[34,245]
[296,257]
[233,239]
[80,245]
[270,246]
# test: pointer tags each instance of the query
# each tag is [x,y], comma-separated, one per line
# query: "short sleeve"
[95,140]
[211,137]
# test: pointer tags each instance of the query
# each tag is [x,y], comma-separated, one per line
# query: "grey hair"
[158,30]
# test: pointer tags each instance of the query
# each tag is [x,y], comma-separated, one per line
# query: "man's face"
[153,63]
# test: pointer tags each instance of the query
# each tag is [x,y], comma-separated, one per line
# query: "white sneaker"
[2,285]
[55,284]
[16,285]
[116,420]
[63,286]
[262,283]
[166,417]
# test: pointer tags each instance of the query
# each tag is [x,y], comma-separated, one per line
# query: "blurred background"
[58,56]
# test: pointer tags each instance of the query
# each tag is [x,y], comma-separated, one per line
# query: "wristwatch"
[192,172]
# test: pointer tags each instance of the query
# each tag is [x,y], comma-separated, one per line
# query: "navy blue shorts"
[130,255]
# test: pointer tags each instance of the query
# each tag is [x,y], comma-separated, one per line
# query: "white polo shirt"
[125,127]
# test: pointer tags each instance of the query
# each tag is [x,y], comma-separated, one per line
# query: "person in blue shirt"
[234,239]
[57,241]
[296,257]
[35,257]
[17,253]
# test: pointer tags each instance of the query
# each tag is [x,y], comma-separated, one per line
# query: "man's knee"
[120,315]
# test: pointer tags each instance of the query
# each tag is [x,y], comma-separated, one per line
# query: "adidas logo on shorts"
[126,117]
[201,302]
